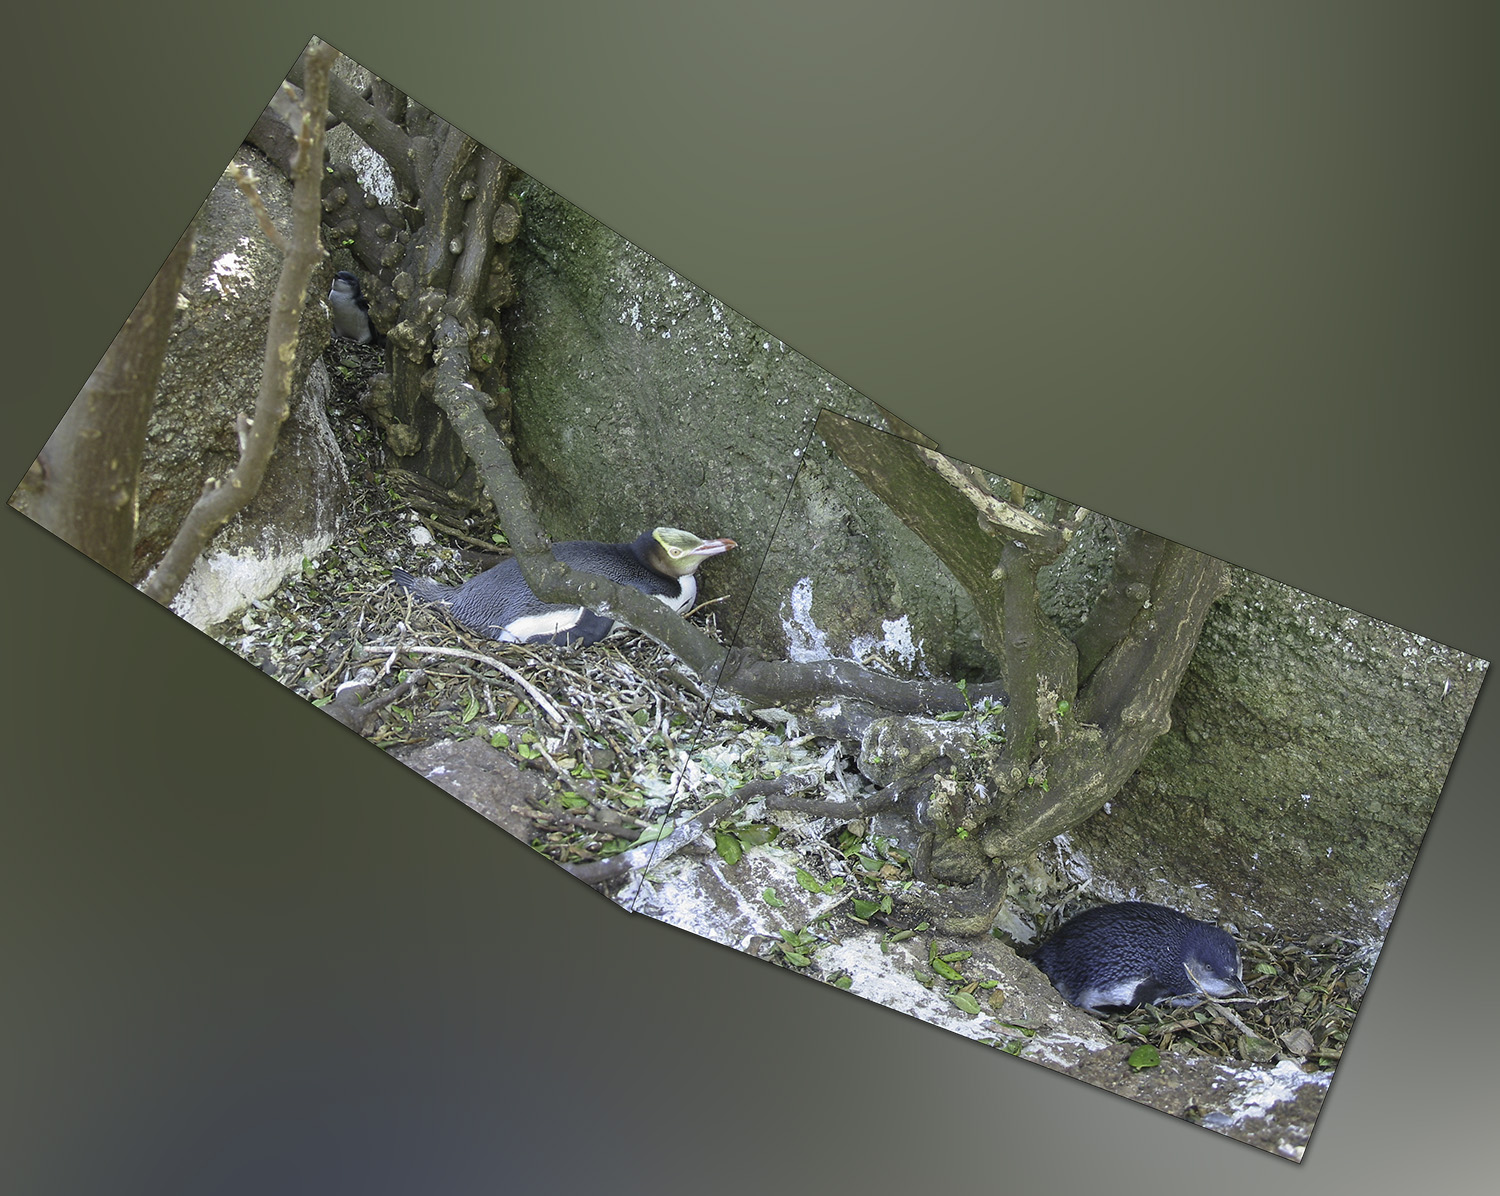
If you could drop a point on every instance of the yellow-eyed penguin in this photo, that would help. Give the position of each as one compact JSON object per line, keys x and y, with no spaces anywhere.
{"x":499,"y":604}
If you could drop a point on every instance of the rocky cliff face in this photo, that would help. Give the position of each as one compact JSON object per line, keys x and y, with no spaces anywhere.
{"x":1309,"y":743}
{"x":639,"y":399}
{"x":209,"y":377}
{"x":1308,"y":748}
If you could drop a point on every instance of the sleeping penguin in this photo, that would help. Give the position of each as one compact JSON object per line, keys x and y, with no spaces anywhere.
{"x":1120,"y":956}
{"x":499,"y":604}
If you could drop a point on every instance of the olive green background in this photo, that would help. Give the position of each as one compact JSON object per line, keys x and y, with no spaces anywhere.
{"x":1226,"y":274}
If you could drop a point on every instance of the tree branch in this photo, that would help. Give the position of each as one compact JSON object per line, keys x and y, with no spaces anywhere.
{"x":881,"y":799}
{"x":244,"y":179}
{"x":1130,"y":585}
{"x":1136,"y":682}
{"x":1002,"y":518}
{"x":85,"y":482}
{"x":1041,"y":665}
{"x":903,"y":478}
{"x":950,"y":508}
{"x":444,"y":208}
{"x":1067,"y":749}
{"x":1122,"y":710}
{"x":221,"y":501}
{"x":369,"y":124}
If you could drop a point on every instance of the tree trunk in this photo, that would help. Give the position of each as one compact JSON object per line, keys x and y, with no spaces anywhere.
{"x":83,"y":486}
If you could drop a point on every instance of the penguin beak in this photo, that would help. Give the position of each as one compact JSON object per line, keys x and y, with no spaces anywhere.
{"x":714,"y":547}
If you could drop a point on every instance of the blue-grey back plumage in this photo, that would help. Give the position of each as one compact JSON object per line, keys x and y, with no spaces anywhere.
{"x":1135,"y":953}
{"x":499,"y":604}
{"x":350,"y":309}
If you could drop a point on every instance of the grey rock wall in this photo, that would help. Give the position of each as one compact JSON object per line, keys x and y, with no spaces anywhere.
{"x":1308,"y":748}
{"x":641,"y":400}
{"x":211,"y":375}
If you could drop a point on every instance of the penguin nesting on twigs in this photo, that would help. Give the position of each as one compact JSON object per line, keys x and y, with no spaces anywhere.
{"x":499,"y":604}
{"x":1133,"y":953}
{"x":350,"y":309}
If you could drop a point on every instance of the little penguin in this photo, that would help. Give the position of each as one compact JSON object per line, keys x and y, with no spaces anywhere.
{"x":1134,"y":953}
{"x":351,"y":311}
{"x":499,"y":604}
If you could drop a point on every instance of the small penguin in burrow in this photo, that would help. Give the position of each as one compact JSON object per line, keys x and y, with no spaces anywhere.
{"x":1135,"y":953}
{"x":350,"y":309}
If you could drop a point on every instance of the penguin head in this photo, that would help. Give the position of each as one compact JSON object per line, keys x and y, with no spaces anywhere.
{"x":1212,"y":959}
{"x":673,"y":552}
{"x":346,"y":282}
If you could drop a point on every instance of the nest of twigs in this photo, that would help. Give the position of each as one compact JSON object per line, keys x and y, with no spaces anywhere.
{"x":1302,"y":1002}
{"x":626,"y":734}
{"x":632,"y":743}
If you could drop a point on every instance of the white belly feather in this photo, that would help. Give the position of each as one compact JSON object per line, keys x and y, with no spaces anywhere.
{"x":553,"y":621}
